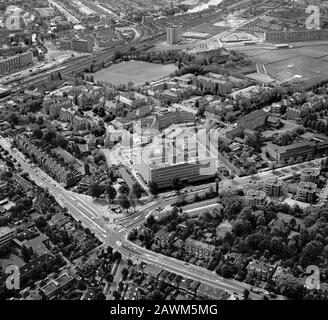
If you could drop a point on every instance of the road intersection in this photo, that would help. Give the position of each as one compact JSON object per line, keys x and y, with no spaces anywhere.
{"x":115,"y":235}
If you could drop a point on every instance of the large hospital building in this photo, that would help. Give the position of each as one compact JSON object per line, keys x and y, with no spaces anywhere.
{"x":189,"y":161}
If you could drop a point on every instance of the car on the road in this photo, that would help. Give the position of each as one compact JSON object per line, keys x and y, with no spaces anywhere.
{"x":256,"y":290}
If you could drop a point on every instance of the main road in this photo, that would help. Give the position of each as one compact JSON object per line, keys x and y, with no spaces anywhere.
{"x":116,"y":236}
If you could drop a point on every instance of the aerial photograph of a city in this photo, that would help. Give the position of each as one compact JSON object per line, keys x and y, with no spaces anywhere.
{"x":168,"y":150}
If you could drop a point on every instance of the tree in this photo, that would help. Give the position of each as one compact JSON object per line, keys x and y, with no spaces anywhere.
{"x":217,"y":186}
{"x":116,"y":295}
{"x":109,"y":277}
{"x":81,"y":285}
{"x":177,"y":184}
{"x":132,"y":199}
{"x":137,"y":190}
{"x":311,"y":252}
{"x":111,"y":193}
{"x":156,"y":295}
{"x":37,"y":133}
{"x":125,"y":273}
{"x":87,"y":168}
{"x":123,"y":189}
{"x":116,"y":256}
{"x":291,"y":161}
{"x":153,"y":188}
{"x":124,"y":202}
{"x":13,"y":118}
{"x":246,"y":294}
{"x":273,"y":166}
{"x":49,"y":135}
{"x":100,"y":296}
{"x":95,"y":190}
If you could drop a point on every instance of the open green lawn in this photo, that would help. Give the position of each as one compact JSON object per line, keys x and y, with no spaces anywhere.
{"x":307,"y":67}
{"x":138,"y":72}
{"x":303,"y":62}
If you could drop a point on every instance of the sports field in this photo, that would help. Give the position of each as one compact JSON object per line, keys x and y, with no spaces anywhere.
{"x":138,"y":72}
{"x":303,"y":62}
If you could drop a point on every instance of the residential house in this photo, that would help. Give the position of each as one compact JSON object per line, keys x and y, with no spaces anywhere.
{"x":261,"y":269}
{"x":199,"y":249}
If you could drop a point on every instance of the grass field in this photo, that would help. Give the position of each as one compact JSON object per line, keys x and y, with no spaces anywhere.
{"x":208,"y":28}
{"x":302,"y":67}
{"x":138,"y":72}
{"x":303,"y":62}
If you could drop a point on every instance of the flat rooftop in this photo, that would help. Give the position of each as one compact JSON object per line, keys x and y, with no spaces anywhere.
{"x":5,"y":230}
{"x":56,"y":284}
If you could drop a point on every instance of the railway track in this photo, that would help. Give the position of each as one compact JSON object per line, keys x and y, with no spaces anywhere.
{"x":80,"y":64}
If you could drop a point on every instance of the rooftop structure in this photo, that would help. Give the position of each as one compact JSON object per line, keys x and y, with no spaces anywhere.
{"x":55,"y":285}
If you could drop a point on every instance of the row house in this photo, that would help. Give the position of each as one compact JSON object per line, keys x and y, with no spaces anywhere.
{"x":51,"y":166}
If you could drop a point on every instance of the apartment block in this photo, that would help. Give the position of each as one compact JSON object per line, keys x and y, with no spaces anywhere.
{"x":16,"y":62}
{"x":133,"y":100}
{"x":173,"y":35}
{"x":255,"y":197}
{"x":166,"y":118}
{"x":6,"y":236}
{"x":273,"y":187}
{"x":306,"y":191}
{"x":301,"y":149}
{"x":310,"y":175}
{"x":211,"y":83}
{"x":199,"y":249}
{"x":293,"y":36}
{"x":254,"y":120}
{"x":189,"y":161}
{"x":54,"y":286}
{"x":81,"y":45}
{"x":297,"y":113}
